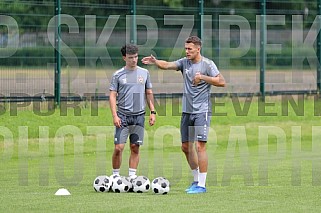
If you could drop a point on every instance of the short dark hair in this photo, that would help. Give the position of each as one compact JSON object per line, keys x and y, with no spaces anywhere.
{"x":194,"y":39}
{"x":130,"y":49}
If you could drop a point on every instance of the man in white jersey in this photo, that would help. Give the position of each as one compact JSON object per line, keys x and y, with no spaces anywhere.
{"x":199,"y":74}
{"x":128,"y":89}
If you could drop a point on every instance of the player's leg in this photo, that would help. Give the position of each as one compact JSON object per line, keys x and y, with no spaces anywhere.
{"x":191,"y":157}
{"x":117,"y":157}
{"x":202,"y":162}
{"x":120,"y":138}
{"x":187,"y":137}
{"x":190,"y":154}
{"x":188,"y":147}
{"x":202,"y":123}
{"x":136,"y":139}
{"x":133,"y":159}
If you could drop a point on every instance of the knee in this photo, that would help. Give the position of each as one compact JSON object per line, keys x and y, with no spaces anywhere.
{"x":118,"y":150}
{"x":186,"y":148}
{"x":201,"y":147}
{"x":134,"y":149}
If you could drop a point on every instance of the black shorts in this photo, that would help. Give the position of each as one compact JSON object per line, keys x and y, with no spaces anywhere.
{"x":132,"y":126}
{"x":194,"y":127}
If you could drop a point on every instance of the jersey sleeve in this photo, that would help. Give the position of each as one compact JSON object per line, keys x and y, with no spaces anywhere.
{"x":179,"y":63}
{"x":212,"y":69}
{"x":114,"y":83}
{"x":148,"y":84}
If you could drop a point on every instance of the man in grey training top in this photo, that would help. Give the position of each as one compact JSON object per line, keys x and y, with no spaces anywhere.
{"x":199,"y":74}
{"x":128,"y":89}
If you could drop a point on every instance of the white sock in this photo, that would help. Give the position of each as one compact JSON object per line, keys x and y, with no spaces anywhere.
{"x":132,"y":172}
{"x":202,"y":179}
{"x":195,"y":174}
{"x":116,"y":171}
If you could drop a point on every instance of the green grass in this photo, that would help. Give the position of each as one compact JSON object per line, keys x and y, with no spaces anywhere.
{"x":247,"y":173}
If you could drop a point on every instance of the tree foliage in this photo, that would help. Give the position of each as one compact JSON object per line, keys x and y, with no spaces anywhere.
{"x":34,"y":15}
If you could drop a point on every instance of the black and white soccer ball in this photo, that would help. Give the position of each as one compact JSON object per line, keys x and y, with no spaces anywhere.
{"x":129,"y":182}
{"x":121,"y":184}
{"x":131,"y":179}
{"x":113,"y":177}
{"x":141,"y":184}
{"x":102,"y":183}
{"x":160,"y":186}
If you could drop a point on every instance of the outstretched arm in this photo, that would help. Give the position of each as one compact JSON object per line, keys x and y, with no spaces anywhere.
{"x":164,"y":65}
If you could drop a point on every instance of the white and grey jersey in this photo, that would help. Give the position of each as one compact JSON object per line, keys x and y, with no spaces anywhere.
{"x":130,"y":86}
{"x":196,"y":99}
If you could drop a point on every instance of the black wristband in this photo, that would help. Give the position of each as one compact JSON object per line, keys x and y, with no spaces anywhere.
{"x":153,"y":112}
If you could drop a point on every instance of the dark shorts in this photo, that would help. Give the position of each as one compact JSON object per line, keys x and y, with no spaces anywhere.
{"x":132,"y":126}
{"x":194,"y":127}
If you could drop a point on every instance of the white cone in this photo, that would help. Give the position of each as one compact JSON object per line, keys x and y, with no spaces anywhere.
{"x":62,"y":192}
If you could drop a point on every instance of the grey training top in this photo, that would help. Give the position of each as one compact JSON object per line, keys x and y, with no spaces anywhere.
{"x":196,"y":99}
{"x":130,"y":86}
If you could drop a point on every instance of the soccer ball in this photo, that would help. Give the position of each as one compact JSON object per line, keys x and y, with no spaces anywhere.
{"x":129,"y":182}
{"x":112,"y":177}
{"x":131,"y":179}
{"x":121,"y":184}
{"x":141,"y":184}
{"x":102,"y":183}
{"x":160,"y":186}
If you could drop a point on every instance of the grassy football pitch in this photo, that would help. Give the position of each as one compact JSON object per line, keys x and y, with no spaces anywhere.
{"x":262,"y":158}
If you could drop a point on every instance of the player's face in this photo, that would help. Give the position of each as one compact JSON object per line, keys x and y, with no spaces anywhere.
{"x":192,"y":50}
{"x":131,"y":60}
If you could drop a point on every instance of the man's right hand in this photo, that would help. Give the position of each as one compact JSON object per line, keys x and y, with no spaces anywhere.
{"x":149,"y":60}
